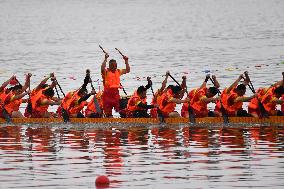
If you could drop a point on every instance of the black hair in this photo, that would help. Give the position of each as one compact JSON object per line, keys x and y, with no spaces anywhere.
{"x":48,"y":92}
{"x":82,"y":90}
{"x":176,"y":89}
{"x":170,"y":87}
{"x":141,"y":89}
{"x":111,"y":61}
{"x":241,"y":87}
{"x":213,"y":90}
{"x":16,"y":87}
{"x":279,"y":90}
{"x":43,"y":86}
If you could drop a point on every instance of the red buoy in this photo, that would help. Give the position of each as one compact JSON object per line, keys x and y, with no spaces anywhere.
{"x":102,"y":181}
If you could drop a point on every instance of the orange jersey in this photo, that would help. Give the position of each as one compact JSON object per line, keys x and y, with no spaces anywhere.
{"x":91,"y":105}
{"x":133,"y":102}
{"x":268,"y":100}
{"x":112,"y":79}
{"x":166,"y":106}
{"x":75,"y":107}
{"x":12,"y":105}
{"x":197,"y":103}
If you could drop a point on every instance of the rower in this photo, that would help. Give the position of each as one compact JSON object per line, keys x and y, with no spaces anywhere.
{"x":4,"y":92}
{"x":137,"y":104}
{"x":14,"y":98}
{"x":253,"y":107}
{"x":37,"y":92}
{"x":77,"y":102}
{"x":157,"y":96}
{"x":169,"y":99}
{"x":111,"y":82}
{"x":91,"y":111}
{"x":41,"y":103}
{"x":232,"y":99}
{"x":271,"y":99}
{"x":200,"y":97}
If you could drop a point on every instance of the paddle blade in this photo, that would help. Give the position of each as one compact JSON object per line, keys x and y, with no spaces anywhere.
{"x":98,"y":108}
{"x":6,"y":115}
{"x":191,"y":115}
{"x":65,"y":115}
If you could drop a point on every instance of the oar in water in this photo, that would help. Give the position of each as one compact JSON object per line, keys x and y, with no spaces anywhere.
{"x":263,"y":112}
{"x":98,"y":108}
{"x":159,"y":112}
{"x":190,"y":110}
{"x":6,"y":115}
{"x":224,"y":113}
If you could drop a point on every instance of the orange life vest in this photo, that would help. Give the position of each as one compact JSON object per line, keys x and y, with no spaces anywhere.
{"x":74,"y":106}
{"x":41,"y":107}
{"x":133,"y":102}
{"x":253,"y":104}
{"x":67,"y":100}
{"x":91,"y":105}
{"x":164,"y":104}
{"x":35,"y":96}
{"x":228,"y":103}
{"x":13,"y":105}
{"x":190,"y":96}
{"x":267,"y":100}
{"x":112,"y":80}
{"x":198,"y":105}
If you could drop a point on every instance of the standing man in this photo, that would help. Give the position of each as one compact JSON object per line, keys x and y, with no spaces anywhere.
{"x":111,"y":82}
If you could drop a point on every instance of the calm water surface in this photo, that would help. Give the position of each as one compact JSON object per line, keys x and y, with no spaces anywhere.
{"x":187,"y":37}
{"x":142,"y":156}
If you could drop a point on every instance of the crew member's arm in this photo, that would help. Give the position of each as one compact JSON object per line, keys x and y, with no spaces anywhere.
{"x":16,"y":97}
{"x":235,"y":83}
{"x":6,"y":83}
{"x":86,"y":96}
{"x":44,"y":82}
{"x":179,"y":101}
{"x":217,"y":85}
{"x":207,"y":100}
{"x":145,"y":106}
{"x":103,"y":66}
{"x":205,"y":81}
{"x":50,"y":102}
{"x":245,"y":99}
{"x":149,"y":84}
{"x":164,"y":84}
{"x":127,"y":67}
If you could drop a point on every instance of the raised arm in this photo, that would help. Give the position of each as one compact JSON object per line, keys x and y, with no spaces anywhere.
{"x":235,"y":83}
{"x":103,"y":66}
{"x":216,"y":83}
{"x":127,"y":67}
{"x":44,"y":81}
{"x":6,"y":83}
{"x":205,"y":81}
{"x":27,"y":82}
{"x":164,"y":84}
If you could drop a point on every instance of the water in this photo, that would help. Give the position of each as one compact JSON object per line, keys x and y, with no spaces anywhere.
{"x":141,"y":156}
{"x":187,"y":37}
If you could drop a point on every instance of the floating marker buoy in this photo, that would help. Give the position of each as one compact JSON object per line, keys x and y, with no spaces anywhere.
{"x":102,"y":181}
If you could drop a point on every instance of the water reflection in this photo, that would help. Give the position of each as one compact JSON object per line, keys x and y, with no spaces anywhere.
{"x":137,"y":156}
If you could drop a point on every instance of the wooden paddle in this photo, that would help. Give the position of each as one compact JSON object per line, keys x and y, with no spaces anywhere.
{"x":263,"y":112}
{"x":119,"y":52}
{"x":190,"y":110}
{"x":224,"y":113}
{"x":159,"y":112}
{"x":103,"y":49}
{"x":98,"y":108}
